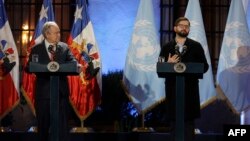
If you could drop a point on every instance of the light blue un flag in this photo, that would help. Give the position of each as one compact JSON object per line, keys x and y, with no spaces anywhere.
{"x":197,"y":32}
{"x":233,"y":74}
{"x":141,"y":81}
{"x":246,"y":4}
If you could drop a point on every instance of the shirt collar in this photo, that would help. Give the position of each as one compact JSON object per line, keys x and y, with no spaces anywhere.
{"x":46,"y":44}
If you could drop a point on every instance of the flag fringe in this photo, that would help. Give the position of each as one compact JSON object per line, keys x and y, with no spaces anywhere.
{"x":223,"y":97}
{"x":26,"y":97}
{"x":82,"y":118}
{"x":208,"y":102}
{"x":9,"y":109}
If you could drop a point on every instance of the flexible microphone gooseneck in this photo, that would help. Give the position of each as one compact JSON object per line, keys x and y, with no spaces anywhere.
{"x":184,"y":50}
{"x":176,"y":48}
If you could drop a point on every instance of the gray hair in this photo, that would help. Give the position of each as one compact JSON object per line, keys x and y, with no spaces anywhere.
{"x":47,"y":26}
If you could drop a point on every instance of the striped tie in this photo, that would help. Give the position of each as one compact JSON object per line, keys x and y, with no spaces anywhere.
{"x":52,"y":52}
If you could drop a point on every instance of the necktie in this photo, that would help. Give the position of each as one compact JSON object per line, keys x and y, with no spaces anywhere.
{"x":52,"y":52}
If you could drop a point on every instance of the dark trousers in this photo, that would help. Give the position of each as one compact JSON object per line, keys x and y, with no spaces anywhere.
{"x":189,"y":127}
{"x":43,"y":119}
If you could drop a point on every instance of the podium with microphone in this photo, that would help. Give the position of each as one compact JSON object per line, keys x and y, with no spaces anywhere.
{"x":55,"y":70}
{"x":179,"y":70}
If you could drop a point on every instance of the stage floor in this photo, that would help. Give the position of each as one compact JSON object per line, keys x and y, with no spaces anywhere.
{"x":126,"y":136}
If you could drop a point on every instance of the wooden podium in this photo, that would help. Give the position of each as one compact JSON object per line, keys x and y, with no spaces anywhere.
{"x":64,"y":69}
{"x":179,"y":70}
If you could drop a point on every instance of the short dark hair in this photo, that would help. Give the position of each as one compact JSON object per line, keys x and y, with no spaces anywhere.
{"x":181,"y":19}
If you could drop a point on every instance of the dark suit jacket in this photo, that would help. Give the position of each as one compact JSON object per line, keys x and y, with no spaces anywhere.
{"x":42,"y":86}
{"x":195,"y":53}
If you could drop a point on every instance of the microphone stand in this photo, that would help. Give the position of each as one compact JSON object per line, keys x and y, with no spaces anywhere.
{"x":180,"y":54}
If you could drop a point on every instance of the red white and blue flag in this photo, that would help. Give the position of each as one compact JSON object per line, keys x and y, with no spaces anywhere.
{"x":85,"y":89}
{"x":9,"y":66}
{"x":28,"y":80}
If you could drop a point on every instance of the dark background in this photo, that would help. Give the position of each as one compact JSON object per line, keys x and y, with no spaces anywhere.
{"x":117,"y":114}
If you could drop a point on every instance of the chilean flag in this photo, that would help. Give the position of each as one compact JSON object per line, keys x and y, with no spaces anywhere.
{"x":9,"y":66}
{"x":28,"y":80}
{"x":85,"y":89}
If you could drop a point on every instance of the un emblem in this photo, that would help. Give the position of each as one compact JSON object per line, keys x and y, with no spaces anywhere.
{"x":179,"y":67}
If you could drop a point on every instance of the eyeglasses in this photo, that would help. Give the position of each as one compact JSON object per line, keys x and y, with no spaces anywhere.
{"x":183,"y":26}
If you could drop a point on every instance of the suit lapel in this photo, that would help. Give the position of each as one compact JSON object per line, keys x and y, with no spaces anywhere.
{"x":44,"y":54}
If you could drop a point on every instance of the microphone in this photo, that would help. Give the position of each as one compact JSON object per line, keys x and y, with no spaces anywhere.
{"x":58,"y":48}
{"x":52,"y":52}
{"x":176,"y":48}
{"x":50,"y":49}
{"x":184,"y":50}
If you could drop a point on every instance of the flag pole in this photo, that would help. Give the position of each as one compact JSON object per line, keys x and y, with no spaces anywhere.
{"x":142,"y":121}
{"x":82,"y":129}
{"x":143,"y":128}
